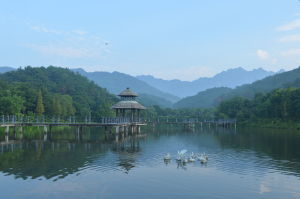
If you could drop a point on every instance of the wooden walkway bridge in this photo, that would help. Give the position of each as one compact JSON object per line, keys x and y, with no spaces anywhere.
{"x":196,"y":121}
{"x":120,"y":124}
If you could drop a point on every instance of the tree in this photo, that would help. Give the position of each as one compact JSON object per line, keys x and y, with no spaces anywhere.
{"x":39,"y":104}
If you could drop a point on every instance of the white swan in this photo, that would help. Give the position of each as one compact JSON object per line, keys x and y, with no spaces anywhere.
{"x":180,"y":155}
{"x":203,"y":158}
{"x":185,"y":160}
{"x":191,"y":159}
{"x":179,"y":158}
{"x":167,"y":157}
{"x":182,"y":152}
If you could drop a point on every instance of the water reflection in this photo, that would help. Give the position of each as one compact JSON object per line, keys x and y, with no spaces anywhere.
{"x":55,"y":155}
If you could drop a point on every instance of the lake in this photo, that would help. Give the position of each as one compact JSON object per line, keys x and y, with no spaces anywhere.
{"x":243,"y":163}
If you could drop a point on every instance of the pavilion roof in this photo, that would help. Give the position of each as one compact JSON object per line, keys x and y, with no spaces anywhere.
{"x":128,"y":93}
{"x":128,"y":105}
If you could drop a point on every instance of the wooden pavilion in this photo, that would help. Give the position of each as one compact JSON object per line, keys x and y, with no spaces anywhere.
{"x":128,"y":107}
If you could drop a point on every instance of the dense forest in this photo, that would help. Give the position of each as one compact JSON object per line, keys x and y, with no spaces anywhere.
{"x":205,"y":99}
{"x":52,"y":91}
{"x":280,"y":104}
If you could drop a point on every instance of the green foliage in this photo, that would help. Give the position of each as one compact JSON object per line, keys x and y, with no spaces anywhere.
{"x":155,"y":111}
{"x":39,"y":104}
{"x":53,"y":91}
{"x":204,"y":99}
{"x":151,"y":100}
{"x":62,"y":105}
{"x":280,"y":104}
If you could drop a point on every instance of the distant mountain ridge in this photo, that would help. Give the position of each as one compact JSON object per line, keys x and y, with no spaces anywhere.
{"x":213,"y":97}
{"x":229,"y":78}
{"x":4,"y":69}
{"x":115,"y":82}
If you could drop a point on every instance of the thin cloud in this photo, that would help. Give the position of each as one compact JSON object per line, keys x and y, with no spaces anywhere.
{"x":262,"y":54}
{"x":63,"y":51}
{"x":290,"y":26}
{"x":79,"y":32}
{"x":43,"y":29}
{"x":290,"y":38}
{"x":291,"y":52}
{"x":46,"y":30}
{"x":70,"y":44}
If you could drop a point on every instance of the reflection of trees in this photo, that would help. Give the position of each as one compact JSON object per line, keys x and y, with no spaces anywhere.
{"x":283,"y":147}
{"x":63,"y":153}
{"x":47,"y":159}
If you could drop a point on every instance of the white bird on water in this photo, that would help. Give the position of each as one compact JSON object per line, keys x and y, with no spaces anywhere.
{"x":180,"y":155}
{"x":192,"y":157}
{"x":203,"y":158}
{"x":167,"y":157}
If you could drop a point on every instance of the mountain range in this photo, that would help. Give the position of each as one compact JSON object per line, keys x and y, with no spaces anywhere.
{"x":229,"y":78}
{"x":212,"y":97}
{"x":116,"y":82}
{"x":168,"y":93}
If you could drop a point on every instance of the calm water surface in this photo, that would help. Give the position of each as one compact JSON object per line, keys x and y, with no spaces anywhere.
{"x":247,"y":163}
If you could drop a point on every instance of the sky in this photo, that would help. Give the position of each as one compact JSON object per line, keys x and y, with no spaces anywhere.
{"x":170,"y":39}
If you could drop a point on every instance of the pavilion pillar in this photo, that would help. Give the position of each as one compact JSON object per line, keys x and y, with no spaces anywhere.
{"x":132,"y":115}
{"x":138,"y":115}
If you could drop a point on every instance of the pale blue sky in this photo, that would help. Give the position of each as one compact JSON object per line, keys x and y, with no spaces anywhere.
{"x":166,"y":38}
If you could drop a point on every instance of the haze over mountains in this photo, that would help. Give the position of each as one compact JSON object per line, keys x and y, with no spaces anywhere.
{"x":166,"y":93}
{"x":212,"y":97}
{"x":229,"y":78}
{"x":116,"y":82}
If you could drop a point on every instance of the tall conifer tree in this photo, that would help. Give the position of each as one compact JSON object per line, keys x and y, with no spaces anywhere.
{"x":39,"y":104}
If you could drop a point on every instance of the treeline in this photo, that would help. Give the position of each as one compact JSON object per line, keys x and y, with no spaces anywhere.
{"x":155,"y":112}
{"x":280,"y":104}
{"x":52,"y":91}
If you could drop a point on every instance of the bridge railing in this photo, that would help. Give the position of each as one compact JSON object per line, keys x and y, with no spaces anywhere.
{"x":190,"y":120}
{"x":13,"y":119}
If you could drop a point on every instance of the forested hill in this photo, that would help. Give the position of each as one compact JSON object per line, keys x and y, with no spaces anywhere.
{"x":52,"y":91}
{"x":115,"y":82}
{"x":268,"y":84}
{"x":204,"y":99}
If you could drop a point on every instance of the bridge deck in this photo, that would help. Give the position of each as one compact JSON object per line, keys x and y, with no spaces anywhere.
{"x":71,"y":124}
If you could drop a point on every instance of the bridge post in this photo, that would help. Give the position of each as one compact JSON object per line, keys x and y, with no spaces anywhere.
{"x":117,"y":137}
{"x":45,"y":129}
{"x":15,"y":132}
{"x":78,"y":133}
{"x":126,"y":130}
{"x":117,"y":129}
{"x":138,"y":129}
{"x":7,"y":130}
{"x":121,"y":128}
{"x":45,"y":136}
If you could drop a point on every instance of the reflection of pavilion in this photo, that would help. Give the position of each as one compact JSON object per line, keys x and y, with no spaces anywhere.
{"x":127,"y":153}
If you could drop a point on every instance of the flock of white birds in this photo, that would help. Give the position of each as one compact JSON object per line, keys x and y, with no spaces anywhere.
{"x":184,"y":157}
